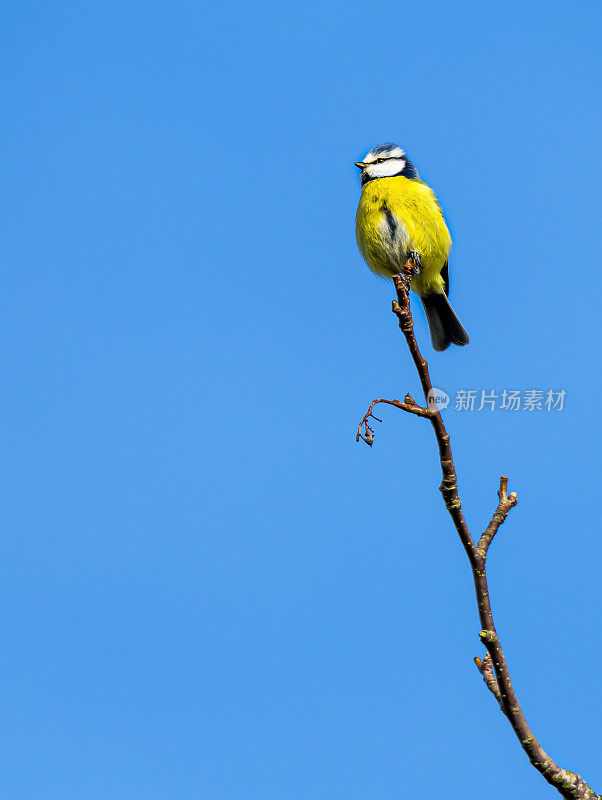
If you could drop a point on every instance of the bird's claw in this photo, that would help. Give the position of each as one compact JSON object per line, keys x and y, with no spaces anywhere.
{"x":415,"y":261}
{"x":412,"y":267}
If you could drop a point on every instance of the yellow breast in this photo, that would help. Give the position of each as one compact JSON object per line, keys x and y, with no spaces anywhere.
{"x":397,"y":215}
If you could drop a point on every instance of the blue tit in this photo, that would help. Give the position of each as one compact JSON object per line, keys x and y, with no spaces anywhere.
{"x":398,"y":216}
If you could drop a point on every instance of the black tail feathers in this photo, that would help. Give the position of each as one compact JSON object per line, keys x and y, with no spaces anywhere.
{"x":444,"y":325}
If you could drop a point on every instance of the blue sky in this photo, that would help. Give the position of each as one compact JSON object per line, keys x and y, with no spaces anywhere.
{"x":209,"y":590}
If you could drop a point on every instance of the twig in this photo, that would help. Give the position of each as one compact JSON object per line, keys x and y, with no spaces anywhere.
{"x":485,"y":667}
{"x":493,"y":667}
{"x":410,"y":405}
{"x":506,"y":502}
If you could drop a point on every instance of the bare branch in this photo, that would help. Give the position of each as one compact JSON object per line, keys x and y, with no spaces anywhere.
{"x":493,"y":667}
{"x":506,"y":502}
{"x":409,"y":405}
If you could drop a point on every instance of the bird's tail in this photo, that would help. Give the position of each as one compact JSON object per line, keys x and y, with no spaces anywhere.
{"x":444,"y":325}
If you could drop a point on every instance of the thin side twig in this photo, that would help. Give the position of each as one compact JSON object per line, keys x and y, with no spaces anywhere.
{"x":506,"y":502}
{"x":485,"y":667}
{"x":493,"y":667}
{"x":410,"y":405}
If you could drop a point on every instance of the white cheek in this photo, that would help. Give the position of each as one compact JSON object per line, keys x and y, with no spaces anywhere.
{"x":386,"y":169}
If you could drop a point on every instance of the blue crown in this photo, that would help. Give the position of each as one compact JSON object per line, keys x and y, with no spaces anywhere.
{"x":384,"y":148}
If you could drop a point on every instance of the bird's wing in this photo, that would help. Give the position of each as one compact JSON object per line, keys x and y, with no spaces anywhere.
{"x":445,"y":276}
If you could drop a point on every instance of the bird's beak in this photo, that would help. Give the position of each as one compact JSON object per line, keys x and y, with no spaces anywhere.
{"x":360,"y":164}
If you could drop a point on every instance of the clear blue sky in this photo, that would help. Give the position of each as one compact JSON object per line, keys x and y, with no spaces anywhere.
{"x":208,"y":589}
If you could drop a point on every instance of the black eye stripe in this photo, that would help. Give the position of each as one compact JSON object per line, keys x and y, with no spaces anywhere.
{"x":386,"y":158}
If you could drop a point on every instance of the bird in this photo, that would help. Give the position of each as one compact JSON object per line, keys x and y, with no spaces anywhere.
{"x":399,"y":218}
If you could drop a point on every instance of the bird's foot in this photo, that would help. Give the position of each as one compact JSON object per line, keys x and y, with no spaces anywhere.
{"x":414,"y":261}
{"x":412,"y":267}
